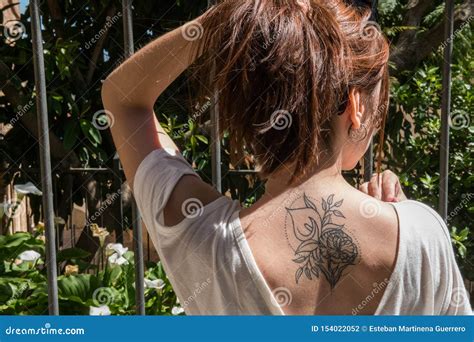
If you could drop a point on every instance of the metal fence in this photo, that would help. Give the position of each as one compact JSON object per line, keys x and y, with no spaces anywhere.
{"x":46,"y":179}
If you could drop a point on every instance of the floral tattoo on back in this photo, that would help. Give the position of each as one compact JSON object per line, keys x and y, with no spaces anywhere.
{"x":321,"y":245}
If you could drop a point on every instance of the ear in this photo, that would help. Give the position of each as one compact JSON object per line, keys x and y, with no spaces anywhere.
{"x":355,"y":108}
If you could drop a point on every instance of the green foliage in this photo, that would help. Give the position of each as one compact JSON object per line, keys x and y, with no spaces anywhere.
{"x":23,"y":286}
{"x":413,"y":142}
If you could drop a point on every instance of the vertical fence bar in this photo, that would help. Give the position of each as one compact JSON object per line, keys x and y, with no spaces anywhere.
{"x":216,"y":145}
{"x":369,"y":163}
{"x":215,"y":137}
{"x":137,"y":227}
{"x":45,"y":159}
{"x":446,"y":110}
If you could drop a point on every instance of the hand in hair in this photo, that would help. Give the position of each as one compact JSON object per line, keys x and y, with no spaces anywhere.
{"x":384,"y":186}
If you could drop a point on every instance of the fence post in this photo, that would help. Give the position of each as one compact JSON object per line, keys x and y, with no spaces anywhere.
{"x":45,"y":158}
{"x":215,"y":136}
{"x":445,"y":111}
{"x":137,"y":227}
{"x":369,"y":163}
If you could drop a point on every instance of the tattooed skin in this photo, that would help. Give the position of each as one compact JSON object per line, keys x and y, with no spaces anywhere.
{"x":321,"y":246}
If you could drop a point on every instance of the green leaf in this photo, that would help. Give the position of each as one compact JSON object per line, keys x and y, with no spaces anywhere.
{"x":78,"y":288}
{"x":203,"y":139}
{"x":91,"y":132}
{"x":72,"y":253}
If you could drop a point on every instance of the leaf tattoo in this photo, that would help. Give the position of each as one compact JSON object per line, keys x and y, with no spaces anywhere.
{"x":323,"y":246}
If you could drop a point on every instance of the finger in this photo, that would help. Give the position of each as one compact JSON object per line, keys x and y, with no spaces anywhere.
{"x":364,"y":188}
{"x":389,"y":186}
{"x":400,"y":195}
{"x":374,"y":187}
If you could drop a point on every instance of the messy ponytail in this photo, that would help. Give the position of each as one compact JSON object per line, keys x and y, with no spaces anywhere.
{"x":281,"y":69}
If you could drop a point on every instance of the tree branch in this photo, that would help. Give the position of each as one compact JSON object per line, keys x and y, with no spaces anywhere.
{"x":412,"y":48}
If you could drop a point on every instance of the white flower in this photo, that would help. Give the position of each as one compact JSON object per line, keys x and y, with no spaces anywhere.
{"x":154,"y":284}
{"x":116,"y":252}
{"x":27,"y":189}
{"x":116,"y":248}
{"x":102,"y":310}
{"x":116,"y":259}
{"x":176,"y":310}
{"x":31,"y":256}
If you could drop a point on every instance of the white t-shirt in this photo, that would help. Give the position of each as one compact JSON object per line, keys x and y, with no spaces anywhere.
{"x":213,"y":272}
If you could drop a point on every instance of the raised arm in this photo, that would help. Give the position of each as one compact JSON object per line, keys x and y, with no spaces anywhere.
{"x":130,"y":92}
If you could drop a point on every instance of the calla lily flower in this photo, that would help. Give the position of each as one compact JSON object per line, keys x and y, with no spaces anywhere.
{"x":99,"y":232}
{"x":177,"y":310}
{"x":154,"y":284}
{"x":71,"y":270}
{"x":30,"y":256}
{"x":116,"y":252}
{"x":27,"y":189}
{"x":116,"y":248}
{"x":102,"y":310}
{"x":116,"y":259}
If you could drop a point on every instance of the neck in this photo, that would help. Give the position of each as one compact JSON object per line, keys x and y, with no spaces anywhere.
{"x":329,"y":169}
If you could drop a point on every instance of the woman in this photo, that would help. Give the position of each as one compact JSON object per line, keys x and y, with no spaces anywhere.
{"x":303,"y":85}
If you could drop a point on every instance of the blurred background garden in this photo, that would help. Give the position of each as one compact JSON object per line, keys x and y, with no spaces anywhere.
{"x":83,"y":43}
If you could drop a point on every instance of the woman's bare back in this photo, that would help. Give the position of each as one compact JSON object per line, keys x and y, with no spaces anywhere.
{"x":325,"y":251}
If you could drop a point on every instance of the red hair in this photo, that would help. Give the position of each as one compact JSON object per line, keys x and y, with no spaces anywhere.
{"x":282,"y":71}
